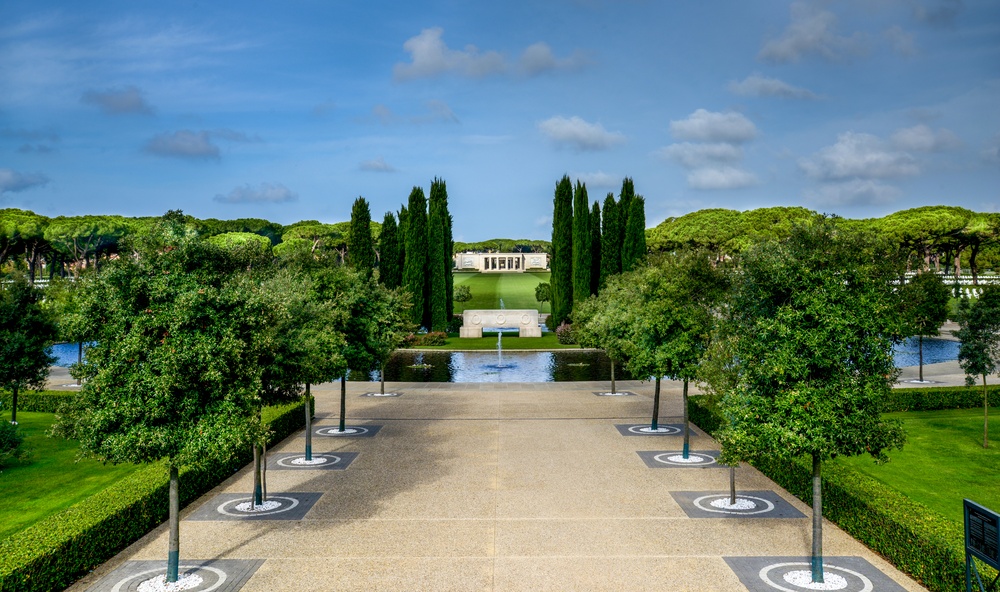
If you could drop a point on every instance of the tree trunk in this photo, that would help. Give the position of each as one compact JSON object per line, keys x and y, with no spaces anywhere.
{"x":656,"y":405}
{"x":309,"y":431}
{"x":732,"y":486}
{"x":956,"y":263}
{"x":920,"y":340}
{"x":986,"y":415}
{"x":174,"y":539}
{"x":13,"y":406}
{"x":343,"y":402}
{"x":613,"y":377}
{"x":381,"y":377}
{"x":257,"y":491}
{"x":687,"y":429}
{"x":79,"y":357}
{"x":817,"y":539}
{"x":263,"y":472}
{"x":972,"y":264}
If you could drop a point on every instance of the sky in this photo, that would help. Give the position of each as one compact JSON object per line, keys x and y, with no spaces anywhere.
{"x":289,"y":111}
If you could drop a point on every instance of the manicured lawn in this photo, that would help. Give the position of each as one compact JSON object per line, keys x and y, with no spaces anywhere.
{"x":510,"y":342}
{"x":50,"y":480}
{"x":942,"y":462}
{"x":516,"y":289}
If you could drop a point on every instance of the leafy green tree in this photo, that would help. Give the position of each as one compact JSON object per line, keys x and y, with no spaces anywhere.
{"x":438,"y":257}
{"x":595,"y":249}
{"x":175,"y":371}
{"x":11,"y":444}
{"x":543,"y":292}
{"x":582,"y":254}
{"x":810,"y":333}
{"x":562,"y":253}
{"x":979,"y":353}
{"x":611,"y":255}
{"x":464,"y":293}
{"x":322,"y":239}
{"x":360,"y":249}
{"x":415,"y":264}
{"x":634,"y":242}
{"x":716,"y":230}
{"x":604,"y":321}
{"x":924,"y":300}
{"x":26,"y":336}
{"x":390,"y":266}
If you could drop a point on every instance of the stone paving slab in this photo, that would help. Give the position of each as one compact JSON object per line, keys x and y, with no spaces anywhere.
{"x":220,"y":575}
{"x":846,"y":574}
{"x":674,"y":459}
{"x":715,"y":504}
{"x":350,"y":431}
{"x":662,"y":429}
{"x":224,"y":507}
{"x":321,"y":461}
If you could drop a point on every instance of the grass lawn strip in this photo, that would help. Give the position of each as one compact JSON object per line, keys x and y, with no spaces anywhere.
{"x":516,"y":289}
{"x":488,"y":341}
{"x":51,"y":479}
{"x":942,"y":462}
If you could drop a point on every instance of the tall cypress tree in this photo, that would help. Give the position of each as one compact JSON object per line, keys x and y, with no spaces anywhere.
{"x":581,"y":243}
{"x":437,"y":310}
{"x":595,"y":248}
{"x":448,"y":259}
{"x":634,"y":245}
{"x":611,"y":253}
{"x":562,"y":252}
{"x":415,"y":265}
{"x":360,"y":247}
{"x":390,"y":267}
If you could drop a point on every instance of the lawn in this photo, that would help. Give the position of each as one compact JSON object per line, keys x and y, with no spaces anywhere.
{"x":516,"y":289}
{"x":942,"y":462}
{"x":511,"y":341}
{"x":51,"y":479}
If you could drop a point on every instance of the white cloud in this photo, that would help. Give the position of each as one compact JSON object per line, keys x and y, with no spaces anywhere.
{"x":756,"y":85}
{"x":901,"y":41}
{"x":538,"y":58}
{"x":266,"y":193}
{"x":183,"y":144}
{"x":579,"y":134}
{"x":853,"y":192}
{"x":697,"y":155}
{"x":430,"y":57}
{"x":119,"y":101}
{"x":811,"y":31}
{"x":597,"y":179}
{"x":12,"y":181}
{"x":858,"y":155}
{"x":921,"y":138}
{"x":710,"y":126}
{"x":377,"y":165}
{"x":722,"y":177}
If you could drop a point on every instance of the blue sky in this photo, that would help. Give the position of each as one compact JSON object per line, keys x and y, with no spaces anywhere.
{"x":290,"y":111}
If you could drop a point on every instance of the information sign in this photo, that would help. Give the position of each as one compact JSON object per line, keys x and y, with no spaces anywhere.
{"x":982,"y":533}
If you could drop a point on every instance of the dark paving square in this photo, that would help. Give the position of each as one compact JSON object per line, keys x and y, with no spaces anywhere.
{"x":616,"y":394}
{"x":664,"y":429}
{"x":850,"y":574}
{"x":322,"y":461}
{"x":672,"y":459}
{"x":749,"y":504}
{"x":350,"y":431}
{"x":382,"y":395}
{"x":219,"y":575}
{"x":293,"y":506}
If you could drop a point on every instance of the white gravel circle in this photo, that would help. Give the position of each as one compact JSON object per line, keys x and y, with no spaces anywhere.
{"x":159,"y":583}
{"x":741,"y":504}
{"x":292,"y":502}
{"x":222,"y":577}
{"x":348,"y":431}
{"x":725,"y":508}
{"x":650,"y":430}
{"x":837,"y":582}
{"x":251,"y":508}
{"x":678,"y":459}
{"x":316,"y":460}
{"x":803,"y":579}
{"x":618,"y":394}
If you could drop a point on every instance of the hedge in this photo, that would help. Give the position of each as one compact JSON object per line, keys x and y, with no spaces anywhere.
{"x":55,"y":552}
{"x":44,"y":401}
{"x":941,"y":397}
{"x":917,"y":540}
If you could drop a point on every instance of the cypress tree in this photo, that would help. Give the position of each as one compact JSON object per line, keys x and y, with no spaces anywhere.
{"x":390,"y":267}
{"x":634,"y":245}
{"x":611,"y":253}
{"x":595,"y":248}
{"x":437,"y":309}
{"x":360,"y":247}
{"x":581,"y":244}
{"x":415,"y":264}
{"x":562,"y":252}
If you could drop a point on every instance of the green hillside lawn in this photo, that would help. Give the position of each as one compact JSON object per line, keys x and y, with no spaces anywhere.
{"x":942,"y":462}
{"x":511,"y":341}
{"x":51,"y":479}
{"x":516,"y":289}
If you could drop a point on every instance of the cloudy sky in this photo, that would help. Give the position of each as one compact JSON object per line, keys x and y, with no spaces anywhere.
{"x":289,"y":111}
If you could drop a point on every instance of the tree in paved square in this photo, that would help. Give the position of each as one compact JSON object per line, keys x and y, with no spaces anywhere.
{"x":979,"y":352}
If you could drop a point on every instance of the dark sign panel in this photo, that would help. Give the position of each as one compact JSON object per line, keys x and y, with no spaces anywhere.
{"x":982,"y":533}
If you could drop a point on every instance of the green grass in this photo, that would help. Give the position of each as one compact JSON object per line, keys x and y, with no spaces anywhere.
{"x":516,"y":289}
{"x":51,"y":479}
{"x":510,"y":342}
{"x":942,"y":462}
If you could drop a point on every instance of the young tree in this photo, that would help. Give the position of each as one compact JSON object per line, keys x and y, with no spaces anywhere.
{"x":390,"y":266}
{"x":810,"y":330}
{"x":562,"y":252}
{"x":175,"y":371}
{"x":634,"y":241}
{"x":595,"y":249}
{"x":611,"y":254}
{"x":26,"y":336}
{"x":924,"y":300}
{"x":415,"y":264}
{"x":437,"y":256}
{"x":360,"y":248}
{"x":979,"y":353}
{"x":581,"y":243}
{"x":463,"y":293}
{"x":543,"y":292}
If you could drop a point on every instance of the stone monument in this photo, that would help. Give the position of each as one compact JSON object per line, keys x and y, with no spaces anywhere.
{"x":524,"y":320}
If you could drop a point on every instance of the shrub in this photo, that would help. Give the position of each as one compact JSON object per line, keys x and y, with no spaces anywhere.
{"x":11,"y":443}
{"x":54,"y":552}
{"x":455,"y":324}
{"x":942,"y":397}
{"x":40,"y":401}
{"x":564,"y":334}
{"x":432,"y":338}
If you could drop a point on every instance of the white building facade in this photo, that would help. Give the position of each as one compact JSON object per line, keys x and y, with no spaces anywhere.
{"x":502,"y":262}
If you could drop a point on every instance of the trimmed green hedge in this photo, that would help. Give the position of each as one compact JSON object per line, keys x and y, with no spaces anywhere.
{"x":40,"y":401}
{"x":941,"y":397}
{"x":57,"y":551}
{"x":917,"y":540}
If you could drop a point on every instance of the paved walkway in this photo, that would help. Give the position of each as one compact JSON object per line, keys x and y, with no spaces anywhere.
{"x":493,"y":487}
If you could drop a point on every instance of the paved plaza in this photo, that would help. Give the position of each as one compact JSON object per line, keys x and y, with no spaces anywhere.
{"x":498,"y":487}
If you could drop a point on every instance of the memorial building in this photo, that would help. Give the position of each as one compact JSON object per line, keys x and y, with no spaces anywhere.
{"x":495,"y":262}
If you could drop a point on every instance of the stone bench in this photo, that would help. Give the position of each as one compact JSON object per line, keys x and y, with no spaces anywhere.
{"x":524,"y":320}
